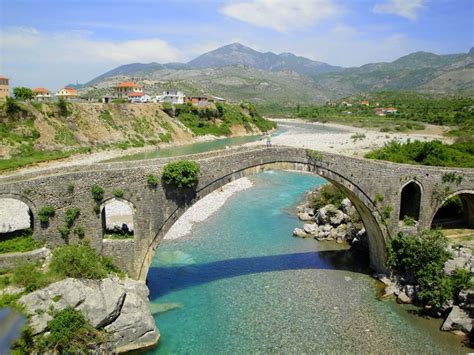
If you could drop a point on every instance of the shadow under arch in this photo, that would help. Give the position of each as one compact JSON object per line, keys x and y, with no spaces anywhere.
{"x":376,"y":230}
{"x":179,"y":277}
{"x":467,"y":200}
{"x":410,"y":200}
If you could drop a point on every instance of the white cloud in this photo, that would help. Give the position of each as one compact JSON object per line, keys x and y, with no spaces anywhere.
{"x":282,"y":15}
{"x":405,"y":8}
{"x":34,"y":58}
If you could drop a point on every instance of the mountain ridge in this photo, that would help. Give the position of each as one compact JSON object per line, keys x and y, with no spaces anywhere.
{"x":242,"y":73}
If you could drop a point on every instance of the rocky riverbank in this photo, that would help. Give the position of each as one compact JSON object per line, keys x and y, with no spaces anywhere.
{"x":340,"y":223}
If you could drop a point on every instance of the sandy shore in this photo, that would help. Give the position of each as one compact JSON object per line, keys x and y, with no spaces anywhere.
{"x":338,"y":139}
{"x":205,"y":207}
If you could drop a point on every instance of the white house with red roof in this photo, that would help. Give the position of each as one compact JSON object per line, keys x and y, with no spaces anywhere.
{"x":67,"y":93}
{"x":41,"y":94}
{"x":128,"y":90}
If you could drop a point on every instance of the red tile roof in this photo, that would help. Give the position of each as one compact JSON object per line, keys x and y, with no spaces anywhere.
{"x":2,"y":77}
{"x":40,"y":91}
{"x":135,"y":94}
{"x":128,"y":84}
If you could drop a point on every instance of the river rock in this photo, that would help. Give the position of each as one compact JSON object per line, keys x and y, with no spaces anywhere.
{"x":458,"y":320}
{"x":305,"y":216}
{"x":347,"y":207}
{"x":455,"y":263}
{"x":118,"y":306}
{"x":311,"y":228}
{"x":466,"y":298}
{"x":298,"y":232}
{"x":389,"y":290}
{"x":403,"y":298}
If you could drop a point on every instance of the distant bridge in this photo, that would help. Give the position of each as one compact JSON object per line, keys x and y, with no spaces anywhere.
{"x":382,"y":193}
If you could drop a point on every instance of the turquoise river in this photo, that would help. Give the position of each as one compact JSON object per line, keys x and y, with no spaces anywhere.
{"x":241,"y":284}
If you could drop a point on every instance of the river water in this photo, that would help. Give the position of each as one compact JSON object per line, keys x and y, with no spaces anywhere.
{"x":240,"y":284}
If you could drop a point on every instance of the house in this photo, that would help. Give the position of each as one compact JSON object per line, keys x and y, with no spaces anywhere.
{"x":364,"y":102}
{"x":390,"y":110}
{"x":41,"y":94}
{"x":200,"y":100}
{"x":379,"y":112}
{"x":346,"y":104}
{"x":174,"y":97}
{"x":124,"y":89}
{"x":67,"y":93}
{"x":4,"y":88}
{"x":139,"y":97}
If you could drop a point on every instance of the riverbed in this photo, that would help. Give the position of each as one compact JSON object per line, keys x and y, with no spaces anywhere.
{"x":240,"y":283}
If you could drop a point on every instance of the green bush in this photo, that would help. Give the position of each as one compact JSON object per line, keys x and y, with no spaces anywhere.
{"x":152,"y":181}
{"x":118,"y":193}
{"x":432,"y":153}
{"x":409,"y":221}
{"x":28,"y":276}
{"x":63,"y":107}
{"x":325,"y":195}
{"x":64,"y":231}
{"x":45,"y":213}
{"x":71,"y":215}
{"x":97,"y":192}
{"x":70,"y":332}
{"x":22,"y":93}
{"x":81,"y":261}
{"x":11,"y":106}
{"x":420,"y":260}
{"x":80,"y":231}
{"x":182,"y":173}
{"x":21,"y":243}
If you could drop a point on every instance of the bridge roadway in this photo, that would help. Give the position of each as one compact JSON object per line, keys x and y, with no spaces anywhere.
{"x":379,"y":191}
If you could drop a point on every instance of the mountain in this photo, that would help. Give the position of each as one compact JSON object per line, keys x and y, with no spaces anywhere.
{"x":237,"y":54}
{"x":237,"y":73}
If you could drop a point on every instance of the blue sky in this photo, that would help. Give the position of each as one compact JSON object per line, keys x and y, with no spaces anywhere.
{"x":51,"y":43}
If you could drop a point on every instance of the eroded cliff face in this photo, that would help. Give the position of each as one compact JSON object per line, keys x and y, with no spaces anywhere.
{"x":45,"y":127}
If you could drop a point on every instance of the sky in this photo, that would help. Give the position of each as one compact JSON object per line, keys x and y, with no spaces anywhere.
{"x":51,"y":43}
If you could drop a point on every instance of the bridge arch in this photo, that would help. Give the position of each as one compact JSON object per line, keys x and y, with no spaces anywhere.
{"x":467,"y":200}
{"x":16,"y":214}
{"x":410,"y":200}
{"x":377,"y":232}
{"x":117,"y":214}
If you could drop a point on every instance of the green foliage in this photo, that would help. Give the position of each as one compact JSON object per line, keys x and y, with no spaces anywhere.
{"x":80,"y":231}
{"x":81,"y":261}
{"x":461,"y":280}
{"x":21,"y":243}
{"x":22,"y":93}
{"x":118,"y":235}
{"x":165,"y":137}
{"x":312,"y":154}
{"x":71,"y":215}
{"x":69,"y":333}
{"x":452,"y":177}
{"x":118,"y":193}
{"x":181,"y":173}
{"x":64,"y":231}
{"x":29,"y":276}
{"x":70,"y":188}
{"x":420,"y":260}
{"x":152,"y":181}
{"x":63,"y":107}
{"x":378,"y":198}
{"x":11,"y":106}
{"x":409,"y":221}
{"x":45,"y":213}
{"x":386,"y":212}
{"x":97,"y":192}
{"x":9,"y":300}
{"x":358,"y":136}
{"x":432,"y":153}
{"x":219,"y":119}
{"x":326,"y":194}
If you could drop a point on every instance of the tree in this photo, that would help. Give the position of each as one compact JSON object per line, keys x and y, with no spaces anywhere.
{"x":22,"y":93}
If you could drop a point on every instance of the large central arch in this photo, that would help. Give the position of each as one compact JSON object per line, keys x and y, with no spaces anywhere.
{"x":377,"y":232}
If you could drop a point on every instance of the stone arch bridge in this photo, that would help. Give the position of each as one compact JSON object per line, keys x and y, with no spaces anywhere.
{"x":382,"y":192}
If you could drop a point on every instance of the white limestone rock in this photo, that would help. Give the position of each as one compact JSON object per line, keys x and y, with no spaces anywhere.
{"x":458,"y":320}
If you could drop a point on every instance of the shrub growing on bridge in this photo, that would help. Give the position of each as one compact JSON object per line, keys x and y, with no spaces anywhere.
{"x":45,"y":213}
{"x":182,"y":173}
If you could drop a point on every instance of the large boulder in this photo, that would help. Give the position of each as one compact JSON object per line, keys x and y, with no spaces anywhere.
{"x":466,"y":298}
{"x":298,"y":232}
{"x":305,"y":216}
{"x":118,"y":306}
{"x":458,"y":320}
{"x":311,"y":228}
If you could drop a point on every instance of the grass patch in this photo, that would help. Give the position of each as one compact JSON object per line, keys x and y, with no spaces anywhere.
{"x":21,"y":243}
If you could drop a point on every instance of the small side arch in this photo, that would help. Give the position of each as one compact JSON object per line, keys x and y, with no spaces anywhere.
{"x":16,"y":215}
{"x":117,"y":217}
{"x":410,"y":200}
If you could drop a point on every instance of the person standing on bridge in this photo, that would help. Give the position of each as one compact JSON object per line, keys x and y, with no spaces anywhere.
{"x":269,"y":140}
